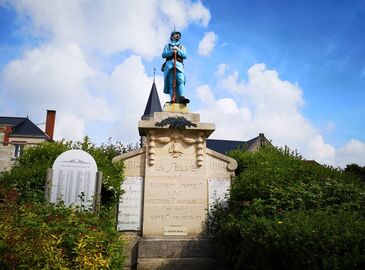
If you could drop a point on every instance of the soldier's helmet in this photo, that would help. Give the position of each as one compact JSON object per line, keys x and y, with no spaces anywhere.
{"x":173,"y":33}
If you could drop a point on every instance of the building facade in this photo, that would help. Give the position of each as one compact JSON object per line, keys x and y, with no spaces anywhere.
{"x":18,"y":133}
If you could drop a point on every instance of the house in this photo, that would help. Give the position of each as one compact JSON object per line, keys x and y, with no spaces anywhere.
{"x":17,"y":133}
{"x":224,"y":146}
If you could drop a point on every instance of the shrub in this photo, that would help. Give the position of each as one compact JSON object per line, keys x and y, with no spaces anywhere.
{"x":286,"y":213}
{"x":38,"y":235}
{"x":29,"y":172}
{"x":43,"y":236}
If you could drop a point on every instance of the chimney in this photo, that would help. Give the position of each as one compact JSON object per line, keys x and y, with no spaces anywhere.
{"x":50,"y":122}
{"x":7,"y":130}
{"x":262,"y":139}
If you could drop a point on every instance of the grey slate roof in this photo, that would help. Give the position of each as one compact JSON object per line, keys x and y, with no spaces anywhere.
{"x":224,"y":146}
{"x":153,"y":103}
{"x":22,"y":126}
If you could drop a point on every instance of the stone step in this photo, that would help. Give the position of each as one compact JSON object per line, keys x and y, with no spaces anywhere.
{"x":176,"y":264}
{"x":166,"y":247}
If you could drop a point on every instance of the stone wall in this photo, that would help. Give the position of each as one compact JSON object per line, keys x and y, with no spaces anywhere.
{"x":7,"y":150}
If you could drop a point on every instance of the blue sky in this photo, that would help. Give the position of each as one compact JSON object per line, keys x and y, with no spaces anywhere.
{"x":294,"y":70}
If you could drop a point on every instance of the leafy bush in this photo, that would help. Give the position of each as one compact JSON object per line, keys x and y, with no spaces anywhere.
{"x":286,"y":213}
{"x":29,"y":172}
{"x":44,"y":236}
{"x":38,"y":235}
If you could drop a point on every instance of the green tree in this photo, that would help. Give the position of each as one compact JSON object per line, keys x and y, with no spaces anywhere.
{"x":356,"y":170}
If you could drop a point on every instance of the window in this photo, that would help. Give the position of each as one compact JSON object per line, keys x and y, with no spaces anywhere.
{"x":18,"y":150}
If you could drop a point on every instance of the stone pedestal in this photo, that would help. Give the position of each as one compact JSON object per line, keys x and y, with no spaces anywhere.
{"x":176,"y":168}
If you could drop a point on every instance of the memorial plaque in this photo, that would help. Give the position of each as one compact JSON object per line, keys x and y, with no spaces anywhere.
{"x":175,"y":230}
{"x":129,"y":210}
{"x":74,"y":179}
{"x":218,"y":190}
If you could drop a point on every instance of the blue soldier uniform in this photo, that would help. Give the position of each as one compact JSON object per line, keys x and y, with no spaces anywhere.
{"x":168,"y":68}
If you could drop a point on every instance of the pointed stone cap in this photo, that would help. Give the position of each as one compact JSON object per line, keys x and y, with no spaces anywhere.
{"x":153,"y":104}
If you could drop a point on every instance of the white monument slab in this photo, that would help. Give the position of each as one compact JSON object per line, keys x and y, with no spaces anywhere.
{"x":130,"y":204}
{"x":218,"y":190}
{"x":74,"y":179}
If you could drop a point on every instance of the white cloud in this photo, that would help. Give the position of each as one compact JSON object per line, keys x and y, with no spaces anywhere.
{"x":320,"y":150}
{"x":272,"y":106}
{"x":60,"y":78}
{"x":266,"y":89}
{"x":55,"y":77}
{"x":66,"y":72}
{"x":205,"y":94}
{"x":69,"y":127}
{"x":198,"y":13}
{"x":130,"y":86}
{"x":228,"y":118}
{"x":265,"y":104}
{"x":352,"y":152}
{"x":221,"y":70}
{"x":207,"y":44}
{"x":112,"y":26}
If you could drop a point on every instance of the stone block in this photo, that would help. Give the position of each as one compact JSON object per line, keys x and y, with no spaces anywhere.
{"x":131,"y":250}
{"x":177,"y":264}
{"x":175,"y":108}
{"x":175,"y":247}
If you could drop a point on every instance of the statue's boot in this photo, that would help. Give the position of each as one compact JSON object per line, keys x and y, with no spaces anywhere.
{"x":183,"y":100}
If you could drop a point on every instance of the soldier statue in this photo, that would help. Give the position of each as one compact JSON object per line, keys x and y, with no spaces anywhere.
{"x":173,"y":68}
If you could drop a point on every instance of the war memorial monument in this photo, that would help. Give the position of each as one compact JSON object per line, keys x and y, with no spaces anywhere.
{"x":172,"y":180}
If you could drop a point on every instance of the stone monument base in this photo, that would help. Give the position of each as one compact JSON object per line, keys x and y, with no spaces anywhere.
{"x":171,"y":183}
{"x":130,"y":250}
{"x":176,"y":253}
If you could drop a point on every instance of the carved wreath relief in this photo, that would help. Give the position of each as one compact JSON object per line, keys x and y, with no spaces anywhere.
{"x":175,"y":150}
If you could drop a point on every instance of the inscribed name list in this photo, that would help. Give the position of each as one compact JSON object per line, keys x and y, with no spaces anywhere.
{"x":175,"y":196}
{"x":129,"y":209}
{"x":74,"y":179}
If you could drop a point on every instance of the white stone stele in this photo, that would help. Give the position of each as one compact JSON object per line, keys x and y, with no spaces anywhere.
{"x":74,"y":179}
{"x":129,"y":208}
{"x":218,"y":190}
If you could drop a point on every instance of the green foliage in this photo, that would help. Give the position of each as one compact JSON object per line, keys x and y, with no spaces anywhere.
{"x":29,"y":172}
{"x":38,"y":235}
{"x":42,"y":236}
{"x":286,"y":213}
{"x":357,"y":171}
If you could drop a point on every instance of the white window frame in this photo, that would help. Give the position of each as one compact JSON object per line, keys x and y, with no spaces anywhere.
{"x":18,"y":150}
